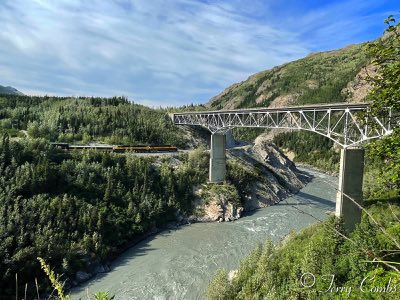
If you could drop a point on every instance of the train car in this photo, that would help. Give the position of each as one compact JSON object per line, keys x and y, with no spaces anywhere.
{"x":64,"y":146}
{"x":144,"y":148}
{"x":95,"y":147}
{"x":131,"y":148}
{"x":164,"y":148}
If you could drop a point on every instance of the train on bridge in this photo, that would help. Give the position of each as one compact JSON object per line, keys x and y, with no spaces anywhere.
{"x":119,"y":148}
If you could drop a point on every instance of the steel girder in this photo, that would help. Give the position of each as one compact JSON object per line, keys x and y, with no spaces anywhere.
{"x":345,"y":124}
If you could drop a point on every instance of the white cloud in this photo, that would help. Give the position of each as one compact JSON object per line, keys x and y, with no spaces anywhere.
{"x":177,"y":51}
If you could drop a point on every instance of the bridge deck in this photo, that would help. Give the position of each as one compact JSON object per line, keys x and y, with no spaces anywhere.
{"x":322,"y":106}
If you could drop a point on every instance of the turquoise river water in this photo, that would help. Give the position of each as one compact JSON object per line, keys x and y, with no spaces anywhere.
{"x":179,"y":264}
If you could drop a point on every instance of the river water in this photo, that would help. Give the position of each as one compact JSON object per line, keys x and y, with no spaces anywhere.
{"x":179,"y":264}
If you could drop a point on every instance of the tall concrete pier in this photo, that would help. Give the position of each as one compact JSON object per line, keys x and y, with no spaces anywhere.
{"x":350,"y":185}
{"x":217,"y":158}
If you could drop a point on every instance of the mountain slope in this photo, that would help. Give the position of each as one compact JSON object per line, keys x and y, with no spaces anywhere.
{"x":333,"y":76}
{"x":9,"y":90}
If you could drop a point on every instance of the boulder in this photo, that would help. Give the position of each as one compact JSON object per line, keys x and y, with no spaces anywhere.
{"x":99,"y":269}
{"x":192,"y":219}
{"x":107,"y":268}
{"x":82,"y":276}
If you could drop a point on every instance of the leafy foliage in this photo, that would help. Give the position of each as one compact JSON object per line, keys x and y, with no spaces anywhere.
{"x":386,"y":93}
{"x":241,"y":178}
{"x":59,"y":286}
{"x":247,"y":134}
{"x":103,"y":296}
{"x":54,"y":279}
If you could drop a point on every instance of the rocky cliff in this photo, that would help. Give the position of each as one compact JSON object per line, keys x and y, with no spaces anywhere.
{"x":269,"y":177}
{"x":278,"y":178}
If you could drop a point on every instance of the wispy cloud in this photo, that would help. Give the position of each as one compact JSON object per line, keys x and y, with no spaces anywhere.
{"x":168,"y":52}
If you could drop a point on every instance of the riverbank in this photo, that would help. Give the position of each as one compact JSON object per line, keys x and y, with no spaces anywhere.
{"x":179,"y":263}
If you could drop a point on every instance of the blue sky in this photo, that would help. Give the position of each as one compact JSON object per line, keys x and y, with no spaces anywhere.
{"x":170,"y":52}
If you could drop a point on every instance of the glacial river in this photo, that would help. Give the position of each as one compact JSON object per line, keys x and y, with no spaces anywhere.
{"x":179,"y":264}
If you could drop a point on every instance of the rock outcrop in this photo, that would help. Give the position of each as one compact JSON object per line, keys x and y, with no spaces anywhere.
{"x":218,"y":203}
{"x":357,"y":89}
{"x":276,"y":178}
{"x":279,"y":175}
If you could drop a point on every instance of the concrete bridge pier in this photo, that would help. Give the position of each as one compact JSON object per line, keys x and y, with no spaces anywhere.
{"x":217,"y":158}
{"x":350,"y":185}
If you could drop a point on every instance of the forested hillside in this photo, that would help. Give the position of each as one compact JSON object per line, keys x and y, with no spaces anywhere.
{"x":310,"y":148}
{"x":75,"y":209}
{"x":80,"y":207}
{"x":111,"y":120}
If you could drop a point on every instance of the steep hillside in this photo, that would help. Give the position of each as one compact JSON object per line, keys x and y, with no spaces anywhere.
{"x":9,"y":90}
{"x":333,"y":76}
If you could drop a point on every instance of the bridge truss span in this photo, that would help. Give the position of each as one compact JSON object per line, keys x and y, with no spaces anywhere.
{"x":345,"y":124}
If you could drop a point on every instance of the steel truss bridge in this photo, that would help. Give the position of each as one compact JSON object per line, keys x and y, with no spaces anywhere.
{"x":344,"y":123}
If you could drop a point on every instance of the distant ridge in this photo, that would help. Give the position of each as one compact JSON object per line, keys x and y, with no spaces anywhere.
{"x":9,"y":90}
